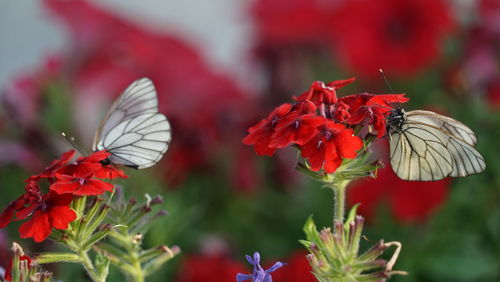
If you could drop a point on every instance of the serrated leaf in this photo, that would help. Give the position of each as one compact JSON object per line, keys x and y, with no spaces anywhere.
{"x":102,"y":265}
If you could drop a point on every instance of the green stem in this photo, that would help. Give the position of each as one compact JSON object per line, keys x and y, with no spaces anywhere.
{"x":132,"y":259}
{"x":138,"y":274}
{"x":89,"y":267}
{"x":339,"y":188}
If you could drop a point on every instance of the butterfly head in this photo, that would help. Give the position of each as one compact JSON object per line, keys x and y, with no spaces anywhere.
{"x":395,"y":121}
{"x":106,"y":161}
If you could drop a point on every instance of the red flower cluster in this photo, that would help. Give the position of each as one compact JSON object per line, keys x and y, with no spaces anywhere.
{"x":402,"y":37}
{"x":52,"y":210}
{"x":322,"y":125}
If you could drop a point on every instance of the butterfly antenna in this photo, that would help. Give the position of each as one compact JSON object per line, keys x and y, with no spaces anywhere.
{"x":386,"y":81}
{"x":389,"y":86}
{"x":71,"y":140}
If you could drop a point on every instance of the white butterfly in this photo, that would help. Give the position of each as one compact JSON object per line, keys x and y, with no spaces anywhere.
{"x":133,"y":130}
{"x":426,"y":146}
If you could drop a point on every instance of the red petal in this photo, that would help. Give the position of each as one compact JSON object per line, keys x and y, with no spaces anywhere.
{"x":37,"y":227}
{"x":25,"y":212}
{"x":341,"y":83}
{"x":347,"y":144}
{"x":109,"y":172}
{"x":331,"y":158}
{"x":6,"y":215}
{"x":60,"y":217}
{"x":96,"y":157}
{"x":64,"y":187}
{"x":54,"y":199}
{"x":93,"y":187}
{"x":387,"y":99}
{"x":314,"y":154}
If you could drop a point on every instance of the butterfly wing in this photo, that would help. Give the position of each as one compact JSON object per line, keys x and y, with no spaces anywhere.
{"x":451,"y":126}
{"x":139,"y":98}
{"x":418,"y":154}
{"x":432,"y":147}
{"x":133,"y":131}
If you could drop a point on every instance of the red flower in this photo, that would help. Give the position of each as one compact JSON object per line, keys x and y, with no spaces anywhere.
{"x":89,"y":166}
{"x":297,"y":269}
{"x":54,"y":165}
{"x":52,"y":212}
{"x":319,"y":94}
{"x":285,"y":22}
{"x":322,"y":125}
{"x":23,"y":206}
{"x":341,"y":112}
{"x":295,"y":129}
{"x":370,"y":108}
{"x":408,"y":200}
{"x":304,"y":107}
{"x":333,"y":142}
{"x":102,"y":171}
{"x":204,"y":268}
{"x":260,"y":134}
{"x":110,"y":172}
{"x":84,"y":166}
{"x":46,"y":211}
{"x":80,"y":186}
{"x":402,"y":37}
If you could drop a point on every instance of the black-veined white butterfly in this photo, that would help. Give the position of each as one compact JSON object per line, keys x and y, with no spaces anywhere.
{"x":426,"y":146}
{"x":133,"y":130}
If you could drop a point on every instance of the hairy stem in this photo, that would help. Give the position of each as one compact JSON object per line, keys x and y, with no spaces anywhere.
{"x":339,"y":188}
{"x":89,"y":267}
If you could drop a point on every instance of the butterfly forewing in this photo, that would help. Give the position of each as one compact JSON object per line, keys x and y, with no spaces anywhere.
{"x":451,"y":126}
{"x":139,"y":98}
{"x":133,"y":131}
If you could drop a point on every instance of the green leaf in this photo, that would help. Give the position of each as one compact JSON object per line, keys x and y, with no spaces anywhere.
{"x":102,"y":265}
{"x":351,"y":216}
{"x":311,"y":231}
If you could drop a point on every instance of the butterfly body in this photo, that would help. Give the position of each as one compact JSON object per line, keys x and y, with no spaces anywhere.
{"x":395,"y":121}
{"x":133,"y":130}
{"x":425,"y":146}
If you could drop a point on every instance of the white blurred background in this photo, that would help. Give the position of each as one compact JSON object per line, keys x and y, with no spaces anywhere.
{"x":219,"y":27}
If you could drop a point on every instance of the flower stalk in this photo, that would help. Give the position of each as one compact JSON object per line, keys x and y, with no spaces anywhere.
{"x":339,"y":190}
